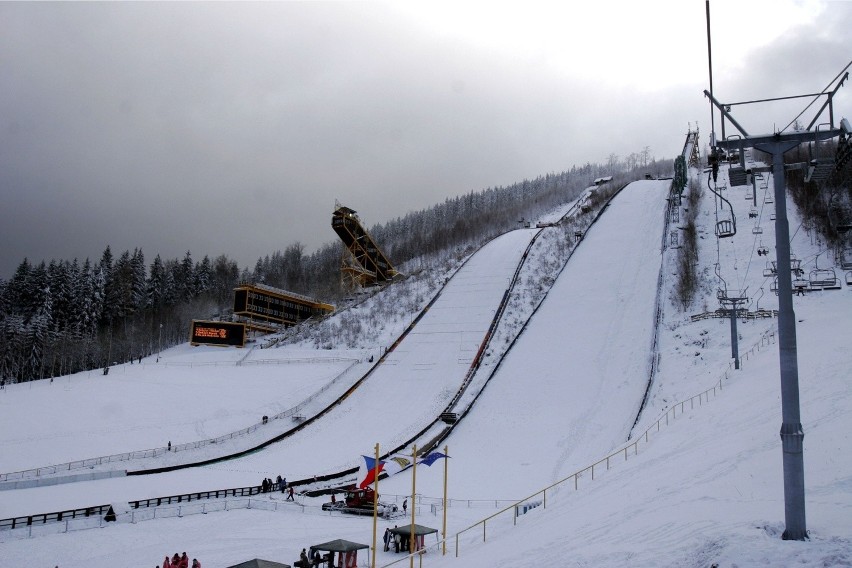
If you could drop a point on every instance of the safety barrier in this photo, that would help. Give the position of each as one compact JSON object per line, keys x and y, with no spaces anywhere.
{"x":58,"y":516}
{"x":742,"y":314}
{"x":24,"y":531}
{"x":48,"y":481}
{"x":156,"y":452}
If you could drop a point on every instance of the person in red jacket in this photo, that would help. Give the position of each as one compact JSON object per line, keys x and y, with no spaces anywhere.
{"x":167,"y":563}
{"x":184,"y":561}
{"x":196,"y":563}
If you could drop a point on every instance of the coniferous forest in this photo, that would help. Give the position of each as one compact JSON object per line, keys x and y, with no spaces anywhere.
{"x":62,"y":316}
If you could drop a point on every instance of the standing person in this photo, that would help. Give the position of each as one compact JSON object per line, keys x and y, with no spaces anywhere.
{"x":387,"y":538}
{"x":263,"y":486}
{"x":290,"y":493}
{"x":167,"y":563}
{"x":196,"y":563}
{"x":278,"y":480}
{"x":170,"y":445}
{"x":184,"y":561}
{"x":175,"y":560}
{"x":396,"y":542}
{"x":405,"y":505}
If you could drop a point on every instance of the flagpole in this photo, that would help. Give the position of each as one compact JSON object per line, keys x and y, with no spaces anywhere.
{"x":413,"y":493}
{"x":375,"y":500}
{"x":444,"y":532}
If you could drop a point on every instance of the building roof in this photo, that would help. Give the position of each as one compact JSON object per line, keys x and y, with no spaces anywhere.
{"x":339,"y":545}
{"x":258,"y":563}
{"x":419,"y":530}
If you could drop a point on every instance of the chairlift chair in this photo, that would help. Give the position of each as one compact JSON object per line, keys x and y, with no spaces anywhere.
{"x":801,"y":285}
{"x":752,"y":214}
{"x":770,"y":270}
{"x":849,"y":278}
{"x":795,"y":266}
{"x":844,"y":259}
{"x":823,"y":279}
{"x":756,"y":230}
{"x":839,"y":215}
{"x":819,"y":170}
{"x":757,"y":300}
{"x":725,"y":229}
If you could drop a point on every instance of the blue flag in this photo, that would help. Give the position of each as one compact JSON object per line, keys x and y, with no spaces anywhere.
{"x":431,"y":458}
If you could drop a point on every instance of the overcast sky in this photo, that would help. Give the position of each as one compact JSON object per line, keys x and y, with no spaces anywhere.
{"x":233,"y":127}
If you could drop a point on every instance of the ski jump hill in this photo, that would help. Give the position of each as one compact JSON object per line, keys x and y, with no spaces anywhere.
{"x":423,"y":373}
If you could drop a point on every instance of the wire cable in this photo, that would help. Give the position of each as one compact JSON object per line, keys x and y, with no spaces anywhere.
{"x":816,"y":98}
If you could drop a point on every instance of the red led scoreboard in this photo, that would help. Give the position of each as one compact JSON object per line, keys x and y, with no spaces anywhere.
{"x":218,"y":333}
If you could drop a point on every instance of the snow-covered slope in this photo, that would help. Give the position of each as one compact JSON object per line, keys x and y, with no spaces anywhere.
{"x":571,"y":387}
{"x":705,"y":488}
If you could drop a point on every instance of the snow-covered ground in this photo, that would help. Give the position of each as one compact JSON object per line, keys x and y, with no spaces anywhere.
{"x":703,"y":488}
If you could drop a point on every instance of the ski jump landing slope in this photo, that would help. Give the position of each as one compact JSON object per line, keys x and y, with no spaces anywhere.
{"x":416,"y":380}
{"x":570,"y":389}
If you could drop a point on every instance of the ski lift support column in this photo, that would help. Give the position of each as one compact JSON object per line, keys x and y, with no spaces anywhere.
{"x":792,"y":434}
{"x":730,"y":304}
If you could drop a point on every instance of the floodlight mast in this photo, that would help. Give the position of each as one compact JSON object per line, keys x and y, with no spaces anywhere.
{"x":792,"y":434}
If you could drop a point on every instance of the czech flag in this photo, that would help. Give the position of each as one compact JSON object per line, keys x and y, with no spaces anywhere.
{"x":389,"y":466}
{"x":367,"y":471}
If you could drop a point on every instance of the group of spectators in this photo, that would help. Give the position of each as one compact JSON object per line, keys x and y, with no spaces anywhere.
{"x":309,"y":561}
{"x":267,"y":486}
{"x":180,"y":561}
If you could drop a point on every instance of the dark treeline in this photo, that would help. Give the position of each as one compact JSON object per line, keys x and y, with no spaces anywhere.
{"x":825,"y":206}
{"x":63,"y":317}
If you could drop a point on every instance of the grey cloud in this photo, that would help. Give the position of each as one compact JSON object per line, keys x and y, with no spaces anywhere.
{"x":232,"y":127}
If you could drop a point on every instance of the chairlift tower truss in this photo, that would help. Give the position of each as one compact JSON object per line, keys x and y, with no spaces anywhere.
{"x":792,"y":434}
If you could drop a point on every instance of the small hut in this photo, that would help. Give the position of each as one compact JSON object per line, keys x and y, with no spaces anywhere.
{"x":420,"y":533}
{"x":258,"y":563}
{"x":347,"y":550}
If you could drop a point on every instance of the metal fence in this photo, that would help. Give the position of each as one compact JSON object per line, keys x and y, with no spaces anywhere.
{"x":206,"y":502}
{"x":588,"y":473}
